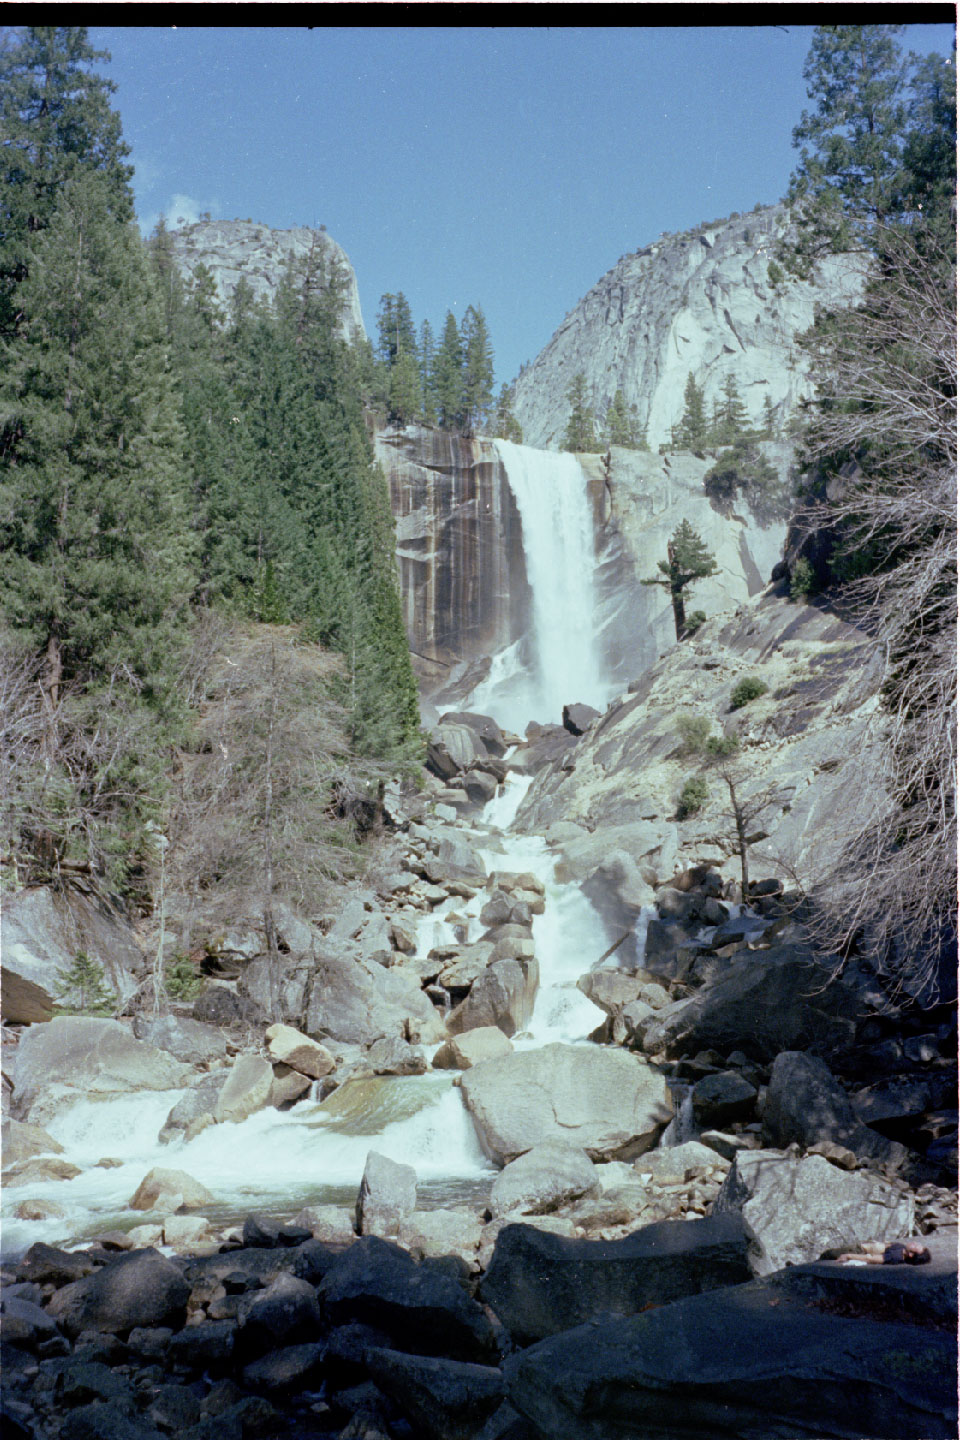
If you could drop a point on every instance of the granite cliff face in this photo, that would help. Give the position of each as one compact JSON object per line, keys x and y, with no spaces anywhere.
{"x":701,"y":301}
{"x":240,"y":249}
{"x":459,"y":547}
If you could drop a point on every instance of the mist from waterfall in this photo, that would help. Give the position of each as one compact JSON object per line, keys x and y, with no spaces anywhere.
{"x":558,"y":661}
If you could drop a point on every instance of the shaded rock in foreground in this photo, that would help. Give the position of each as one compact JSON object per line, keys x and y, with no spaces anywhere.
{"x":539,"y":1284}
{"x":444,"y":1399}
{"x":749,"y":1361}
{"x":604,"y":1101}
{"x":143,"y":1288}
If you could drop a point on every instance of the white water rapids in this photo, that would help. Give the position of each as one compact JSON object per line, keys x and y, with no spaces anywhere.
{"x":315,"y":1153}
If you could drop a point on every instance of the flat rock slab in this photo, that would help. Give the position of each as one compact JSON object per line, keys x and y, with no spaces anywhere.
{"x":607,"y":1102}
{"x":92,"y":1055}
{"x":748,"y":1361}
{"x":539,"y":1284}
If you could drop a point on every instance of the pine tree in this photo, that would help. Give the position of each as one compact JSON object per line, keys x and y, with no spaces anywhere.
{"x":395,"y":329}
{"x":428,"y":361}
{"x":851,"y":146}
{"x":56,"y":123}
{"x":580,"y":435}
{"x":507,"y":427}
{"x":730,"y":421}
{"x":623,"y":424}
{"x":405,"y":399}
{"x":477,"y":355}
{"x":688,"y":559}
{"x":691,"y":433}
{"x":448,"y":383}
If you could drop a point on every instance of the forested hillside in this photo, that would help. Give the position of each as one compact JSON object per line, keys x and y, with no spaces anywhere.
{"x":169,"y":473}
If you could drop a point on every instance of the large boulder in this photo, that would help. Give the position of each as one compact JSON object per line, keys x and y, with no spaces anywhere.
{"x":794,"y":1209}
{"x":20,"y":1142}
{"x":290,"y":1047}
{"x":805,"y":1104}
{"x":442,"y":1399}
{"x":185,"y":1039}
{"x":142,"y":1288}
{"x":160,"y":1185}
{"x":196,"y":1105}
{"x":607,"y":1102}
{"x":769,"y":1358}
{"x":349,"y":1004}
{"x":88,"y":1056}
{"x":483,"y":726}
{"x":285,"y":1311}
{"x":387,"y":1195}
{"x":452,"y":749}
{"x":787,"y":999}
{"x":503,"y":996}
{"x":247,"y":1089}
{"x":461,"y":1052}
{"x":538,"y":1284}
{"x":545,"y":1178}
{"x":424,"y":1312}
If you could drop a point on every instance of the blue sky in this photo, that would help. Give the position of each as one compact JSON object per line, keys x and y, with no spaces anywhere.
{"x":506,"y":167}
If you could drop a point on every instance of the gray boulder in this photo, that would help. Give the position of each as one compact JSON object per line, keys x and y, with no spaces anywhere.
{"x":611,"y":990}
{"x":483,"y":726}
{"x":607,"y":1102}
{"x":544,"y":1179}
{"x":577,"y":719}
{"x":795,"y":1209}
{"x":185,"y":1039}
{"x":452,"y":749}
{"x":20,"y":1142}
{"x":199,"y":1101}
{"x":348,"y":1004}
{"x":394,"y":1056}
{"x":89,"y":1056}
{"x":247,"y":1089}
{"x":806,"y":1104}
{"x":503,"y":995}
{"x":387,"y":1195}
{"x":142,"y":1288}
{"x":538,"y":1284}
{"x":460,"y":1052}
{"x":769,"y":1361}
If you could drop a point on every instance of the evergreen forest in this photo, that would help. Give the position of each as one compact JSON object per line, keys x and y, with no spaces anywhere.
{"x":172,"y":475}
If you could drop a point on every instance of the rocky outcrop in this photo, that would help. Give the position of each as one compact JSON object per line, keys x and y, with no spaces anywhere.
{"x":43,"y":931}
{"x":701,"y":301}
{"x":459,"y":548}
{"x":808,"y":743}
{"x":242,"y":249}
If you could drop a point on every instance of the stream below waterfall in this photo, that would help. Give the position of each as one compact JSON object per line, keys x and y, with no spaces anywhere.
{"x":314,"y":1153}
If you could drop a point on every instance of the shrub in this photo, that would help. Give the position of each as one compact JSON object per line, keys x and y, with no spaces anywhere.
{"x":181,"y":981}
{"x":721,"y":747}
{"x":694,"y":732}
{"x":803,"y":579}
{"x":775,"y":274}
{"x":750,"y":688}
{"x":694,"y":621}
{"x":82,"y":990}
{"x":692,"y":796}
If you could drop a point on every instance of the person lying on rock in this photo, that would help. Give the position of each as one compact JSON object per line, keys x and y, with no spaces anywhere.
{"x":877,"y":1252}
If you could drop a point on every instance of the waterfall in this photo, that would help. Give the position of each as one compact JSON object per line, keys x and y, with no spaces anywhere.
{"x":558,"y":662}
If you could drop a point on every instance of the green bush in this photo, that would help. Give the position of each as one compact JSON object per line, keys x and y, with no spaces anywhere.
{"x":775,"y":274}
{"x":721,"y":747}
{"x":82,"y":989}
{"x":692,"y":796}
{"x":694,"y":621}
{"x":803,"y":579}
{"x":694,"y":732}
{"x":750,"y":688}
{"x":181,"y":980}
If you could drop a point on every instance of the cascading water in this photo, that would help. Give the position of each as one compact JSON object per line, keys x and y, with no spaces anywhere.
{"x":315,"y":1153}
{"x":558,"y":662}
